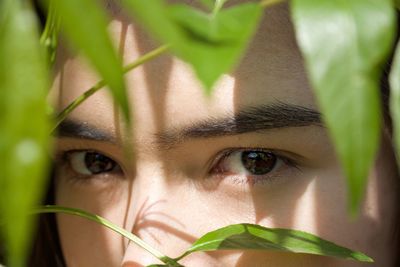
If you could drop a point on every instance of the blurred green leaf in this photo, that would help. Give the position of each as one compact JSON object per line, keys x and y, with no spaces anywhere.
{"x":251,"y":236}
{"x":394,"y":80}
{"x":100,"y":84}
{"x":344,"y":44}
{"x":85,"y":23}
{"x":24,"y":128}
{"x":397,"y":3}
{"x":211,"y":43}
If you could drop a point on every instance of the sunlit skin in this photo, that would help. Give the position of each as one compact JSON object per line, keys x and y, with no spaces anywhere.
{"x":171,"y":193}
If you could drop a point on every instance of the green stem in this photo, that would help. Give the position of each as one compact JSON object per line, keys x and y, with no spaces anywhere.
{"x":48,"y":39}
{"x":49,"y":21}
{"x":269,"y":3}
{"x":217,"y":6}
{"x":80,"y":99}
{"x":135,"y":239}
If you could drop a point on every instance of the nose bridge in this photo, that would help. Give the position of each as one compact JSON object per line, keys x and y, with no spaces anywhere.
{"x":147,"y":205}
{"x":148,"y":189}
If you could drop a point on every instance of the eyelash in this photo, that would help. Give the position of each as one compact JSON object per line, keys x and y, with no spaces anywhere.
{"x":65,"y":159}
{"x":285,"y":165}
{"x":218,"y":170}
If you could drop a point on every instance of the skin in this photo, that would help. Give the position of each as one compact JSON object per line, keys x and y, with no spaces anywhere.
{"x":171,"y":194}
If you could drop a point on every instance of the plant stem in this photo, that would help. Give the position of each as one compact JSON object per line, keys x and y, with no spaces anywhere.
{"x":49,"y":21}
{"x":48,"y":39}
{"x":80,"y":99}
{"x":217,"y":6}
{"x":269,"y":3}
{"x":135,"y":239}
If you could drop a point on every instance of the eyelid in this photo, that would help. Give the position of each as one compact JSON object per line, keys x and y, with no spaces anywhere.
{"x":288,"y":158}
{"x":63,"y":154}
{"x":64,"y":145}
{"x":63,"y":162}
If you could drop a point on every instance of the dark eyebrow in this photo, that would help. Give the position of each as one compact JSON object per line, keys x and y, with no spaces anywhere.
{"x":253,"y":119}
{"x":83,"y":130}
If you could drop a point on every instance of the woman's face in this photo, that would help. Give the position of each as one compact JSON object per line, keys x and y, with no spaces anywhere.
{"x":253,"y":152}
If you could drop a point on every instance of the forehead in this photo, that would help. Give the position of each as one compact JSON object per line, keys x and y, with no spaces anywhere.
{"x":165,"y":91}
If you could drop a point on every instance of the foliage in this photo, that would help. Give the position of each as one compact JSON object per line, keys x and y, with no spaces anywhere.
{"x":346,"y":74}
{"x":90,"y":35}
{"x":344,"y":43}
{"x":250,"y":236}
{"x":25,"y":125}
{"x":237,"y":236}
{"x":211,"y":43}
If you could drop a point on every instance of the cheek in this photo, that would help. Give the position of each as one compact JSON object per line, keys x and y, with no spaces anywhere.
{"x":314,"y":202}
{"x":86,"y":243}
{"x":317,"y":203}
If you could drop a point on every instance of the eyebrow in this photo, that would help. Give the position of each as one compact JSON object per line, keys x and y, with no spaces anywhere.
{"x":83,"y":130}
{"x":253,"y":119}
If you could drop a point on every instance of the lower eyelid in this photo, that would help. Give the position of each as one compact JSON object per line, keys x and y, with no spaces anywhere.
{"x":77,"y":179}
{"x":254,"y":180}
{"x":262,"y":181}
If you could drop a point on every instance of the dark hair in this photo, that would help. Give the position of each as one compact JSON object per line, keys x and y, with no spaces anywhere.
{"x":46,"y":249}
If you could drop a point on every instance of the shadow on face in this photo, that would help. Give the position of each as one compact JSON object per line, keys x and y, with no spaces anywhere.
{"x":196,"y":162}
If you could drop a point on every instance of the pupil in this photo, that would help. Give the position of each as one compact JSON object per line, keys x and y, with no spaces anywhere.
{"x":258,"y":162}
{"x":97,"y":163}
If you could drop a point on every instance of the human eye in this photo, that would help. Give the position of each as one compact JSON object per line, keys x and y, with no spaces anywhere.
{"x":86,"y":164}
{"x":253,"y":166}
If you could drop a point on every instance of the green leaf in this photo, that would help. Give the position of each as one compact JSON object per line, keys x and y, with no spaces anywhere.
{"x":344,"y":44}
{"x":85,"y":23}
{"x":394,"y":80}
{"x":211,"y":43}
{"x":100,"y":220}
{"x":251,"y":236}
{"x":24,"y":128}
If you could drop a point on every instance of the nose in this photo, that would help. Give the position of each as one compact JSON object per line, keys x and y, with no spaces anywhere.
{"x":148,"y":227}
{"x":161,"y":235}
{"x":156,"y":218}
{"x":150,"y":220}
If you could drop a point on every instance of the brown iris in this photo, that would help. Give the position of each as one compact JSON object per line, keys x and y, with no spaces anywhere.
{"x":97,"y":163}
{"x":258,"y":162}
